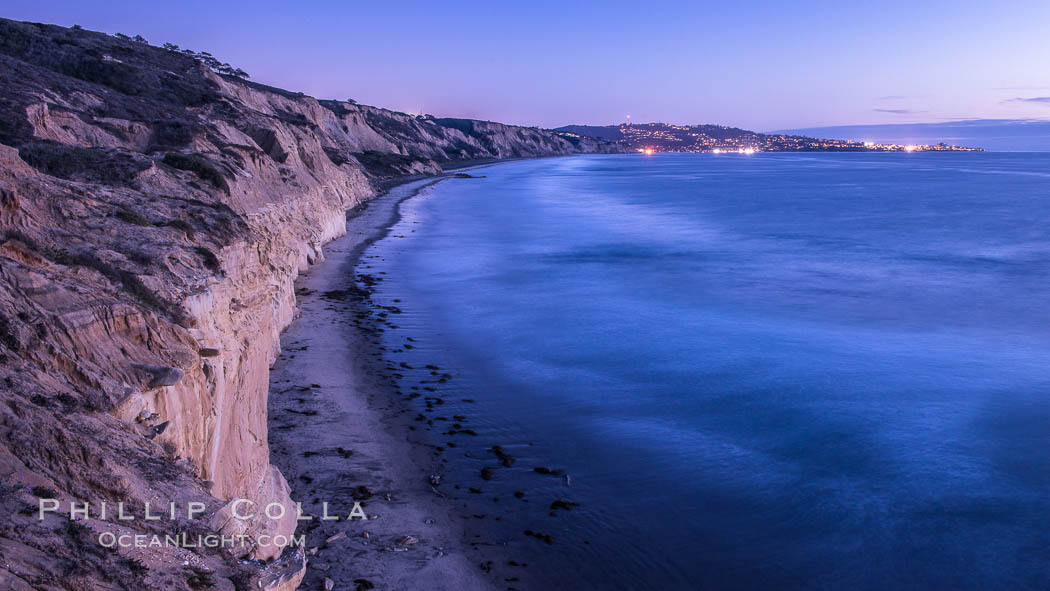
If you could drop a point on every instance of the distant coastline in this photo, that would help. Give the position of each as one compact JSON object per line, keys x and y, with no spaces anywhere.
{"x":666,"y":137}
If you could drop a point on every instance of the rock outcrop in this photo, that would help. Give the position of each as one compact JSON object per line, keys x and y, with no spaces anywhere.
{"x":153,"y":217}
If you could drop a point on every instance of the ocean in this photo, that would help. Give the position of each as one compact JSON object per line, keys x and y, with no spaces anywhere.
{"x":775,"y":371}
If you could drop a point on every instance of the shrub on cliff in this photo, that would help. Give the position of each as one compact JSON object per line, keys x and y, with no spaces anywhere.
{"x":211,"y":261}
{"x":124,"y":278}
{"x":172,"y":133}
{"x":198,"y":166}
{"x":336,"y":156}
{"x":8,"y":336}
{"x":129,"y":216}
{"x":90,"y":259}
{"x":127,"y":66}
{"x":82,"y":164}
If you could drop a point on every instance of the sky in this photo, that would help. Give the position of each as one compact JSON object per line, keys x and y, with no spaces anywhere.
{"x":760,"y":64}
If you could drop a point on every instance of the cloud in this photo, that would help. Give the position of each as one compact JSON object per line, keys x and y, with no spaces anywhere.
{"x":899,"y":111}
{"x":1045,"y":100}
{"x":973,"y":122}
{"x":892,"y":97}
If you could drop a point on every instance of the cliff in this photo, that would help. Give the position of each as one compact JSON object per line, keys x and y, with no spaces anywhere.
{"x":153,"y":217}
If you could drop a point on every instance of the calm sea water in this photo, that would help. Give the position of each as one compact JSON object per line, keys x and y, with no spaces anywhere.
{"x":825,"y":371}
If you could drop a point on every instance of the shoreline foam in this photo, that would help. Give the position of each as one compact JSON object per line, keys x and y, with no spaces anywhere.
{"x":340,"y":433}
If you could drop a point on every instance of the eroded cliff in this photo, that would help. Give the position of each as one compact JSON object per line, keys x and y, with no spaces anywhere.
{"x":153,"y":217}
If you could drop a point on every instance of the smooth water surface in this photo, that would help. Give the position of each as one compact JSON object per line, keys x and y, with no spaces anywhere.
{"x":826,"y":371}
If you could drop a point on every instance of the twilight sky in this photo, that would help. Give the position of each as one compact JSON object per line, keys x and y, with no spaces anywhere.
{"x":761,"y":64}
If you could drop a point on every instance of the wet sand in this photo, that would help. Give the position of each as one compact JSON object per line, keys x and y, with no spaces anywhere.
{"x":339,"y":432}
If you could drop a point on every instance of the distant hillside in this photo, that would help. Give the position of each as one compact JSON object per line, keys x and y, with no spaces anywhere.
{"x":607,"y":132}
{"x":665,"y":137}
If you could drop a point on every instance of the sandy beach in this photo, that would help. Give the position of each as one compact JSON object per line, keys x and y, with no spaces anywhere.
{"x":340,"y":434}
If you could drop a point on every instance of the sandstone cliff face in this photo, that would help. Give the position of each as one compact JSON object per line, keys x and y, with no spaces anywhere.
{"x":153,"y":218}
